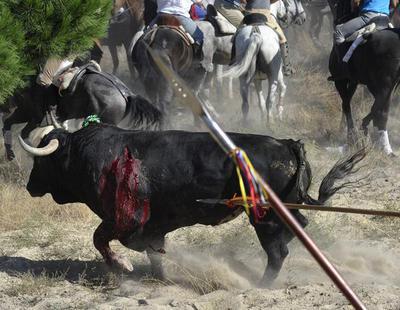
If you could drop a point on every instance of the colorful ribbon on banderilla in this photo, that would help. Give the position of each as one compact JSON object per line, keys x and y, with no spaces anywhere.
{"x":249,"y":178}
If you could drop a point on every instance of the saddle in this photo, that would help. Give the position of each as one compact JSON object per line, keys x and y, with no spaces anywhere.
{"x":68,"y":81}
{"x":360,"y":36}
{"x":255,"y":19}
{"x":171,"y":22}
{"x":221,"y":25}
{"x":376,"y":24}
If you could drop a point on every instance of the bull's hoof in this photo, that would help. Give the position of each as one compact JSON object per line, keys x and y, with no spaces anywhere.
{"x":122,"y":263}
{"x":265,"y":283}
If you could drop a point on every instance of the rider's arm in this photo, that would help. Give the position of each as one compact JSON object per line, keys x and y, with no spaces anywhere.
{"x":394,"y":3}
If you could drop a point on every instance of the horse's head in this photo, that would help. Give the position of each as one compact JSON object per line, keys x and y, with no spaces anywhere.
{"x":278,"y":9}
{"x":119,"y":6}
{"x":295,"y":12}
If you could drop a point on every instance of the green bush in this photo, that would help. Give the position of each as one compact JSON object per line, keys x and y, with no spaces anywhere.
{"x":31,"y":31}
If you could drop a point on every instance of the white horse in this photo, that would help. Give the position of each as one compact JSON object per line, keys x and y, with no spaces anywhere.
{"x":258,"y":58}
{"x":217,"y":48}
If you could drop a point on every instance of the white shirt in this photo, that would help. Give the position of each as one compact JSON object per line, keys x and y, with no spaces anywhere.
{"x":177,"y":7}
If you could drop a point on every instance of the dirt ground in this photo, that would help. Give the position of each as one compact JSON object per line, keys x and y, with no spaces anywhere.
{"x":48,"y":261}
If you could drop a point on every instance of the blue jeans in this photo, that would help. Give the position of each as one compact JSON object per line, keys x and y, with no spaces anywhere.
{"x":190,"y":26}
{"x":345,"y":30}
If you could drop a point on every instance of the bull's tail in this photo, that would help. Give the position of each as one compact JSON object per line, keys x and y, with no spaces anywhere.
{"x":344,"y":167}
{"x":140,"y":114}
{"x":241,"y":66}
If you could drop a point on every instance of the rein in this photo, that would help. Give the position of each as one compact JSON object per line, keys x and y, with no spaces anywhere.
{"x":287,"y":5}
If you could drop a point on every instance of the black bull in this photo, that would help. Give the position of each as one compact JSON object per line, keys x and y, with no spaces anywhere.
{"x":145,"y":184}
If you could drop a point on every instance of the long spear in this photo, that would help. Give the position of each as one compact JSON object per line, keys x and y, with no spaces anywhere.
{"x":188,"y":97}
{"x":239,"y":201}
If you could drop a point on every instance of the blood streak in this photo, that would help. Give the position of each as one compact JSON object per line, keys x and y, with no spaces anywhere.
{"x":119,"y":192}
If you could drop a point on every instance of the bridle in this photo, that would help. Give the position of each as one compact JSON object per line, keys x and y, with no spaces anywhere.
{"x":297,"y":14}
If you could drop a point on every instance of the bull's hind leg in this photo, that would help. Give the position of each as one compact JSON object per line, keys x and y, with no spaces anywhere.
{"x":276,"y":248}
{"x":101,"y":239}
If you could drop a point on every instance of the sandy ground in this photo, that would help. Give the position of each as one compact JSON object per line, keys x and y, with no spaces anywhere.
{"x":48,"y":261}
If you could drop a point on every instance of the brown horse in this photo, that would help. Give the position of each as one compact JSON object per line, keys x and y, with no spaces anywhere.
{"x":127,"y":19}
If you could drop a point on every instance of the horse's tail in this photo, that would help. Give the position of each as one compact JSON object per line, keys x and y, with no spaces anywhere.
{"x":241,"y":66}
{"x":327,"y":189}
{"x":140,"y":114}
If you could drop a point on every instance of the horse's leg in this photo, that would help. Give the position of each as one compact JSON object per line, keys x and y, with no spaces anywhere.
{"x":282,"y":92}
{"x":271,"y":99}
{"x":261,"y":100}
{"x":244,"y":92}
{"x":346,"y":91}
{"x":230,"y":87}
{"x":380,"y":114}
{"x":114,"y":56}
{"x":314,"y":21}
{"x":17,"y":117}
{"x":165,"y":95}
{"x":132,"y":69}
{"x":219,"y":82}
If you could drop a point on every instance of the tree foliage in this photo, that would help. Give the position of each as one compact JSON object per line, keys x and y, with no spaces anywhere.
{"x":12,"y":65}
{"x":31,"y":31}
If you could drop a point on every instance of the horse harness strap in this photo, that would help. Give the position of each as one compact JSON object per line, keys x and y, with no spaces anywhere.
{"x":92,"y":69}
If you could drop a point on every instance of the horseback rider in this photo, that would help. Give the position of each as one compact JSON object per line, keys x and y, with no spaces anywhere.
{"x":231,"y":10}
{"x":263,"y":7}
{"x":180,"y":9}
{"x":198,"y":11}
{"x":369,"y":10}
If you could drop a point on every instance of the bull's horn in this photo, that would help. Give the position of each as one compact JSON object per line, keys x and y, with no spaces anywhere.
{"x":54,"y":121}
{"x":44,"y":151}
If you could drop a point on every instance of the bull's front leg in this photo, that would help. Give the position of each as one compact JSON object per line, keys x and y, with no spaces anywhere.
{"x":101,"y":239}
{"x":154,"y":253}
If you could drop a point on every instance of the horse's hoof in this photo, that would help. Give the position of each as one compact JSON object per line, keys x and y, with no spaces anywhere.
{"x":10,"y":155}
{"x":392,"y":155}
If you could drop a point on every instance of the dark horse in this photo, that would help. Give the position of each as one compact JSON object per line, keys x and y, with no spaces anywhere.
{"x":95,"y":93}
{"x":175,"y":49}
{"x":127,"y":19}
{"x":376,"y":64}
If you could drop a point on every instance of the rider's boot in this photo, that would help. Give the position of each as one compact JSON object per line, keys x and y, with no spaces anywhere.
{"x":287,"y":66}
